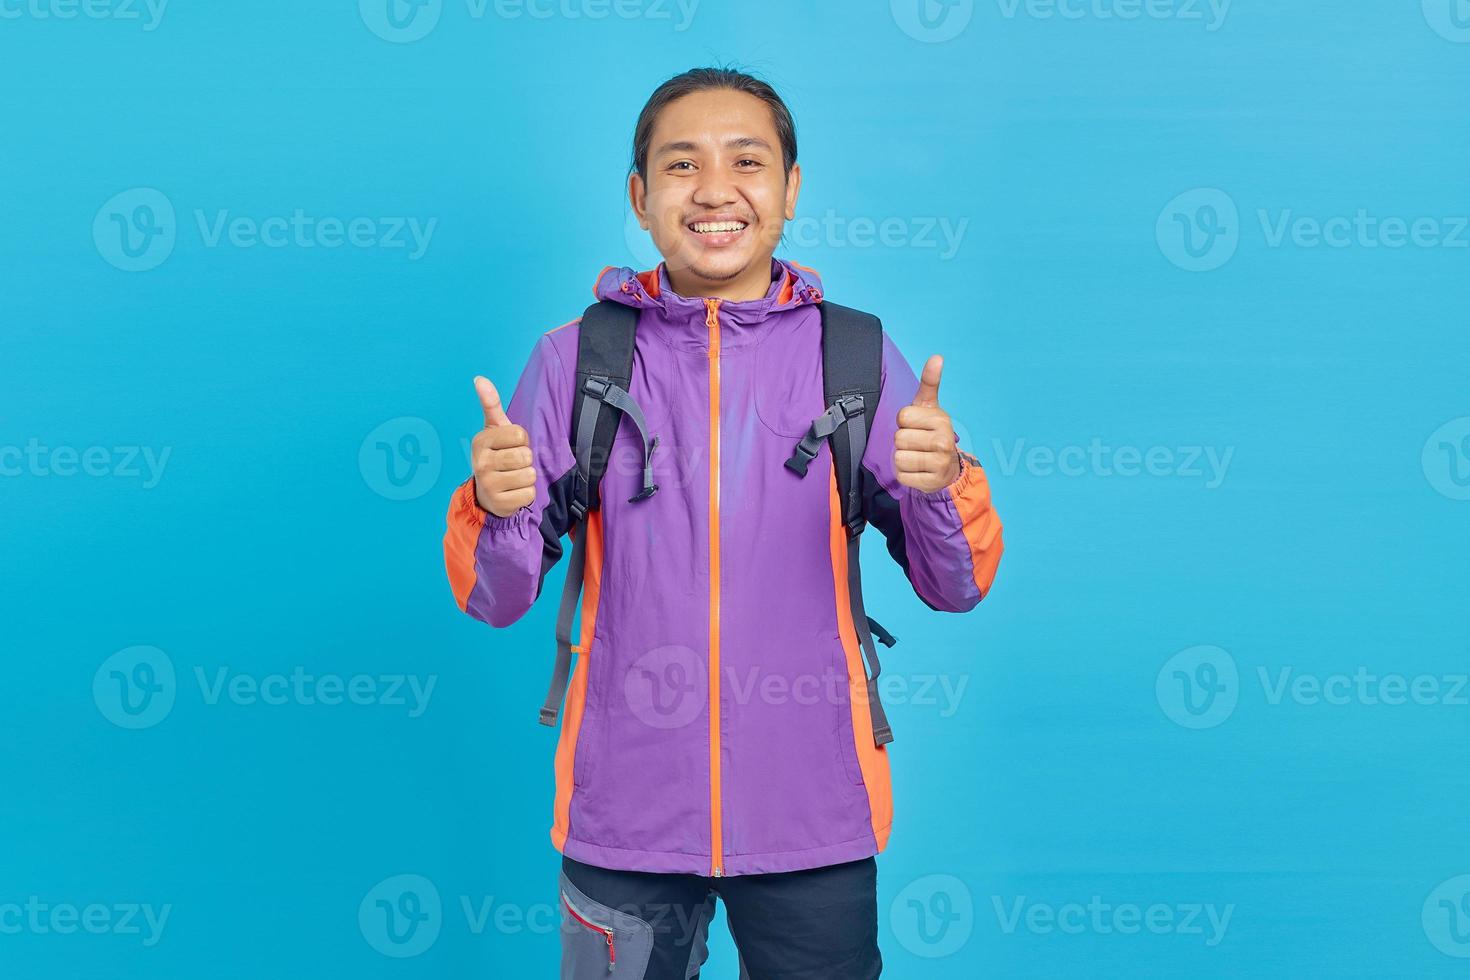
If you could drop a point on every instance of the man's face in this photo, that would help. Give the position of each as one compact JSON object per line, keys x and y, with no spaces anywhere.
{"x":717,"y":194}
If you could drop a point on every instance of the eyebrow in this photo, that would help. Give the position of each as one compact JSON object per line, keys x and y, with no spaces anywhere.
{"x":735,"y":143}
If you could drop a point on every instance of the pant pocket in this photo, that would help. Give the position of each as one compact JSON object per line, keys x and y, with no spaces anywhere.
{"x":598,"y":942}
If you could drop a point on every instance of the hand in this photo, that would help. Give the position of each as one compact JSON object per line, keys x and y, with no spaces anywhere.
{"x":924,"y":453}
{"x":505,"y":480}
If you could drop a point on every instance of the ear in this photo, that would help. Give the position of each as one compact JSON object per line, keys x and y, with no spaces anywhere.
{"x":793,"y":188}
{"x":638,"y":198}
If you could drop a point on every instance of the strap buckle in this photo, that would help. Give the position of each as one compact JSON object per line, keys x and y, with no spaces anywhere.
{"x":579,"y":500}
{"x":802,"y":457}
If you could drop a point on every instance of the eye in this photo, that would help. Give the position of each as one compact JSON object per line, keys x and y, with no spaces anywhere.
{"x":680,"y":163}
{"x":753,"y":163}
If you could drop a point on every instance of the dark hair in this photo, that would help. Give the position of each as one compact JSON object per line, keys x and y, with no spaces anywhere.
{"x":703,"y":79}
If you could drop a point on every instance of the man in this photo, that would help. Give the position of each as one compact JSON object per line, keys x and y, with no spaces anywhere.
{"x":717,"y":738}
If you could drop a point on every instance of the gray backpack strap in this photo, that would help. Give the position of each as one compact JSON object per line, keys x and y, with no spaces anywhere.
{"x":601,"y":399}
{"x":852,"y":378}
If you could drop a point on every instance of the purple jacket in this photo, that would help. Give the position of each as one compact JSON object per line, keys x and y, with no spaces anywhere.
{"x":717,"y":718}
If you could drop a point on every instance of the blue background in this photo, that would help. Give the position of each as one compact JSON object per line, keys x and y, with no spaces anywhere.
{"x":273,"y":540}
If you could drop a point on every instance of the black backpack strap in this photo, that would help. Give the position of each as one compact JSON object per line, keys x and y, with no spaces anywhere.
{"x":852,"y":379}
{"x":600,"y":399}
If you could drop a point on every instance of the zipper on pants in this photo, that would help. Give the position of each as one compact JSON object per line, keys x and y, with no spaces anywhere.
{"x":717,"y":856}
{"x":612,"y":950}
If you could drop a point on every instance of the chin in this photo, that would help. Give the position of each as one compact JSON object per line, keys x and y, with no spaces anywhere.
{"x":720,"y":268}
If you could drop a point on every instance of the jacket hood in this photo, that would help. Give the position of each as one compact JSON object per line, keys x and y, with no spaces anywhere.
{"x":792,"y":285}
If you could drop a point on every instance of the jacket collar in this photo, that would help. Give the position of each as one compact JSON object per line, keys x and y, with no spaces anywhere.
{"x":683,"y":318}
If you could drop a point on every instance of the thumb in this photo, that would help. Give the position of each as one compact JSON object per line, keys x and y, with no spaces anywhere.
{"x":490,"y":402}
{"x":928,"y":393}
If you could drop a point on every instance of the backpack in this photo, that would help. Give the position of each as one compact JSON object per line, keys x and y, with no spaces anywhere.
{"x":852,"y":359}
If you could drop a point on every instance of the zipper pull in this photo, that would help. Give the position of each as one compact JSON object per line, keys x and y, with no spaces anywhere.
{"x":612,"y":952}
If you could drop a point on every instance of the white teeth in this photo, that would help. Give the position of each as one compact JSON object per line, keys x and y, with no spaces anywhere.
{"x":704,"y":227}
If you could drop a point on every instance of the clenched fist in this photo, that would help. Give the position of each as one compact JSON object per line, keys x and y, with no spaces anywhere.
{"x":924,"y":453}
{"x":505,"y":480}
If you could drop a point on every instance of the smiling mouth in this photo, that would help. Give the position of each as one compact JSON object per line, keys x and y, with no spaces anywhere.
{"x":717,"y":227}
{"x":717,"y":234}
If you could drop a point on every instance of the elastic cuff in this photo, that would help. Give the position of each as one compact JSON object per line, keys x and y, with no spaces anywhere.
{"x":468,"y":504}
{"x":969,"y":470}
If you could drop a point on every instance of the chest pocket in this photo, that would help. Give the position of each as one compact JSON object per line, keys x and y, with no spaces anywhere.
{"x":788,"y":386}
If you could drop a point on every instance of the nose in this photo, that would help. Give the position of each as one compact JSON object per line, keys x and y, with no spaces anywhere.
{"x":715,"y":189}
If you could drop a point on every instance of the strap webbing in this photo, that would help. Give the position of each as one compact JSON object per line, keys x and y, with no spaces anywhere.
{"x":857,"y":441}
{"x":570,"y":593}
{"x":882,"y":733}
{"x":597,"y":392}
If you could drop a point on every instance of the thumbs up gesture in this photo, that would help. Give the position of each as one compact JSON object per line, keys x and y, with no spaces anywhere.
{"x":505,"y":480}
{"x":924,"y":453}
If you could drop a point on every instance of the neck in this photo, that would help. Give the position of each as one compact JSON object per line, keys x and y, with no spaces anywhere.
{"x":753,"y":283}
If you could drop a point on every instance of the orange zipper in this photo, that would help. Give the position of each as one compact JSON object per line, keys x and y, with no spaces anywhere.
{"x":612,"y":952}
{"x":717,"y":856}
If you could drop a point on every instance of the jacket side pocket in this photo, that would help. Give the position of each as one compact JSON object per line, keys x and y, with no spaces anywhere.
{"x":598,"y":942}
{"x":846,"y":736}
